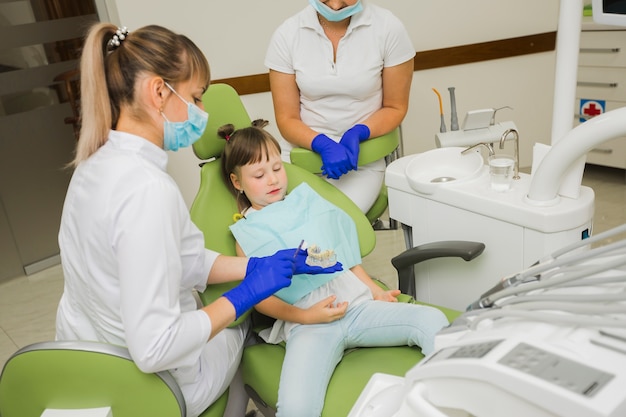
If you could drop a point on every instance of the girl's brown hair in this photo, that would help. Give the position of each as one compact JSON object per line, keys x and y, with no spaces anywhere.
{"x":108,"y":75}
{"x":244,"y":146}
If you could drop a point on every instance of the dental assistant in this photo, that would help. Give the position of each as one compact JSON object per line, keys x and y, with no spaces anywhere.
{"x":340,"y":73}
{"x":131,"y":256}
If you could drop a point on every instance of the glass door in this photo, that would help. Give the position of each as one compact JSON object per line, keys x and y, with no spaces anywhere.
{"x":39,"y":48}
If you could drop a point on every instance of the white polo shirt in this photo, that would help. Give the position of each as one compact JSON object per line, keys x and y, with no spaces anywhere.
{"x":334,"y":96}
{"x":131,"y":257}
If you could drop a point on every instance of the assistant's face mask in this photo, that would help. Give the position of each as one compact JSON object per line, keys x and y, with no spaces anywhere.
{"x":336,"y":15}
{"x":182,"y":134}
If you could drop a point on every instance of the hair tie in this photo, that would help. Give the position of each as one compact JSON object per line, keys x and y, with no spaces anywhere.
{"x":120,"y":35}
{"x":227,"y":137}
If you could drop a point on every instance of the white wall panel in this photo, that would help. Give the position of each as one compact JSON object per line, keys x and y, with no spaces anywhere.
{"x":234,"y":36}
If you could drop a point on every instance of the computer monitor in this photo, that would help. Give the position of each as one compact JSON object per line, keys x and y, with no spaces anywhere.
{"x":609,"y":12}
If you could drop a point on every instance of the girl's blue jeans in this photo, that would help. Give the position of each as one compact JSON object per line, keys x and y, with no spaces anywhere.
{"x":313,"y":351}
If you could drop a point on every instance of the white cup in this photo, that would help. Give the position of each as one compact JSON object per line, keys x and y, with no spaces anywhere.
{"x":501,"y":172}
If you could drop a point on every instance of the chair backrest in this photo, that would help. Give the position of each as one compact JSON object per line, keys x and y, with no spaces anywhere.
{"x":83,"y":375}
{"x":224,"y":106}
{"x":214,"y":206}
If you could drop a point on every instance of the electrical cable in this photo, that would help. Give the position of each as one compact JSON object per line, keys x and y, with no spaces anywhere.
{"x":552,"y":318}
{"x":595,"y":281}
{"x":578,"y":273}
{"x":560,"y":260}
{"x":590,"y":240}
{"x":582,"y":298}
{"x":571,"y":308}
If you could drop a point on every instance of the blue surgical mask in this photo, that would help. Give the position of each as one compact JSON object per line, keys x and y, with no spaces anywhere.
{"x":182,"y":134}
{"x":336,"y":15}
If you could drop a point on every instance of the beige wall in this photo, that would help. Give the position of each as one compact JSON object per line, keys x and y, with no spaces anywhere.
{"x":234,"y":35}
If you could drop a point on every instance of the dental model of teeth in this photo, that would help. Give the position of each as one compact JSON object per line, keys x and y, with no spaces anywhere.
{"x":319,"y":257}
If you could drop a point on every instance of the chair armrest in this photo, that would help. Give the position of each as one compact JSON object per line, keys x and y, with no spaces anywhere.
{"x":406,"y":260}
{"x":370,"y":150}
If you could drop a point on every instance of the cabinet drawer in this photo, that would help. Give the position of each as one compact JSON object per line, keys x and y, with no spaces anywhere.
{"x":603,"y":48}
{"x":611,"y":153}
{"x":601,"y":83}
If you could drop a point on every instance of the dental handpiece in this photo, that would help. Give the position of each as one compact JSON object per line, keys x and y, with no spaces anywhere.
{"x":454,"y":120}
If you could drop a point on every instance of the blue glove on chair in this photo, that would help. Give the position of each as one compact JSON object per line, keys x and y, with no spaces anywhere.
{"x":335,"y":157}
{"x":302,"y":267}
{"x":264,"y":276}
{"x":351,"y":140}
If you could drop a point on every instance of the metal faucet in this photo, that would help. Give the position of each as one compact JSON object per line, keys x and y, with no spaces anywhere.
{"x":516,"y":155}
{"x":489,"y":147}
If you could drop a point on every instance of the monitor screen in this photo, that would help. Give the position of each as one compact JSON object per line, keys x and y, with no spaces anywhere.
{"x":609,"y":12}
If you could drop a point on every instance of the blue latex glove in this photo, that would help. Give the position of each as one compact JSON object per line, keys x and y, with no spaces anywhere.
{"x":335,"y":157}
{"x":351,"y":140}
{"x":301,"y":266}
{"x":264,"y":276}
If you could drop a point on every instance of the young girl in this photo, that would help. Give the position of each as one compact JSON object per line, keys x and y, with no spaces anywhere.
{"x":318,"y":318}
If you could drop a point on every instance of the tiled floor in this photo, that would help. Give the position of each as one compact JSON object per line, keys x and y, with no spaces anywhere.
{"x":28,"y":304}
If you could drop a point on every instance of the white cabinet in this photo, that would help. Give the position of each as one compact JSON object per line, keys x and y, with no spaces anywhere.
{"x":602,"y":84}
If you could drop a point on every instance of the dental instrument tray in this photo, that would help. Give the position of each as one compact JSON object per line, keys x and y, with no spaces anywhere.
{"x":549,"y":341}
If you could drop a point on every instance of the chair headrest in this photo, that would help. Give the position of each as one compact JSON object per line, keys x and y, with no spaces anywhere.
{"x":224,"y":106}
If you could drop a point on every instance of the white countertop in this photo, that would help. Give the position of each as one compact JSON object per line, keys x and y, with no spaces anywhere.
{"x":477,"y":196}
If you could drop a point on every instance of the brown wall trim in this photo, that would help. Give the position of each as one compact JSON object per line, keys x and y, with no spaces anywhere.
{"x":485,"y":51}
{"x":436,"y":58}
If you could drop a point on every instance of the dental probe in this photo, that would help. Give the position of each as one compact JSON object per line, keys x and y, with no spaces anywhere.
{"x":295,"y":255}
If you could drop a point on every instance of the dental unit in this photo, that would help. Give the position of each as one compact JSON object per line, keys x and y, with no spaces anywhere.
{"x":445,"y":193}
{"x":543,"y":332}
{"x":549,"y":341}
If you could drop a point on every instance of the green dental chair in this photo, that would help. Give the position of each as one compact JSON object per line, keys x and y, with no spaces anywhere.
{"x":79,"y":375}
{"x":212,"y":211}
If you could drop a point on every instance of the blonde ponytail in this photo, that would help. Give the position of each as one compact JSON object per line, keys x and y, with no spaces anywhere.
{"x":95,"y":102}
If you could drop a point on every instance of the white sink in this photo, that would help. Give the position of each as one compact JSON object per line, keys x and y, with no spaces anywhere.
{"x":442,"y":166}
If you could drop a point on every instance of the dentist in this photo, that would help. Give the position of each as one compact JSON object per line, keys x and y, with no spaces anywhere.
{"x":131,"y":256}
